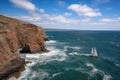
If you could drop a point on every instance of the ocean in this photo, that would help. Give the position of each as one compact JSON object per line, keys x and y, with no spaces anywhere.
{"x":69,"y":57}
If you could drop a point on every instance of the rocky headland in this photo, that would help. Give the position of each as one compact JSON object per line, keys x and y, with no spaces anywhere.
{"x":15,"y":35}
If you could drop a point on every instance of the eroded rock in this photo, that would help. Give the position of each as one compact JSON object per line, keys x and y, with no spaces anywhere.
{"x":15,"y":34}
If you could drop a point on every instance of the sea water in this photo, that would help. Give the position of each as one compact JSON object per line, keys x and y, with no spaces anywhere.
{"x":69,"y":58}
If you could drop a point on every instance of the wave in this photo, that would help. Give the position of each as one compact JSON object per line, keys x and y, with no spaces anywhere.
{"x":27,"y":71}
{"x":30,"y":74}
{"x":89,"y":64}
{"x":107,"y":77}
{"x":55,"y":54}
{"x":53,"y":42}
{"x":95,"y":71}
{"x":56,"y":74}
{"x":50,"y":41}
{"x":117,"y":64}
{"x":69,"y":47}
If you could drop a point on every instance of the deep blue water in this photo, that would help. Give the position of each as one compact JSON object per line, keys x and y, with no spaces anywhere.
{"x":68,"y":58}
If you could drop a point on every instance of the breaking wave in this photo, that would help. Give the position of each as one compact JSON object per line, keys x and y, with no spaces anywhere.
{"x":55,"y":54}
{"x":50,"y":41}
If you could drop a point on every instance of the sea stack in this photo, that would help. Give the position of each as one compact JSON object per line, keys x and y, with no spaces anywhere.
{"x":16,"y":34}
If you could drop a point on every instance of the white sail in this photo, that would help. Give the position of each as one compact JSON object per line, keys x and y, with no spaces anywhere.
{"x":94,"y":52}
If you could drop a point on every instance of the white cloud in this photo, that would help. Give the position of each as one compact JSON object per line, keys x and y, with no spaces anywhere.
{"x":47,"y":20}
{"x":108,"y":20}
{"x":68,"y":14}
{"x":62,"y":19}
{"x":29,"y":18}
{"x":64,"y":22}
{"x":24,"y":4}
{"x":41,"y":10}
{"x":84,"y":10}
{"x":86,"y":20}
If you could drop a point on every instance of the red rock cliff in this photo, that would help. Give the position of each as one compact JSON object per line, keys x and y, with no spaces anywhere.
{"x":15,"y":34}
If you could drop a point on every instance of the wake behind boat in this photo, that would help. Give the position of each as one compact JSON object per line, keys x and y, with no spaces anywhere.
{"x":94,"y":52}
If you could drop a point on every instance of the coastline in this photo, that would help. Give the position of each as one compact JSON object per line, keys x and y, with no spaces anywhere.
{"x":11,"y":67}
{"x":16,"y":34}
{"x":17,"y":73}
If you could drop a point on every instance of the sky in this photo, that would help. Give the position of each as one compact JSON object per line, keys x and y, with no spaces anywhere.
{"x":65,"y":14}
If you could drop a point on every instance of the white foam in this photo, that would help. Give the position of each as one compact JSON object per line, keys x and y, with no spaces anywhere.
{"x":12,"y":78}
{"x":117,"y":64}
{"x":76,"y":48}
{"x":56,"y":74}
{"x":89,"y":64}
{"x":107,"y":77}
{"x":94,"y":70}
{"x":34,"y":74}
{"x":69,"y":47}
{"x":28,"y":73}
{"x":65,"y":48}
{"x":54,"y":54}
{"x":50,"y":41}
{"x":32,"y":56}
{"x":76,"y":53}
{"x":84,"y":54}
{"x":49,"y":36}
{"x":42,"y":75}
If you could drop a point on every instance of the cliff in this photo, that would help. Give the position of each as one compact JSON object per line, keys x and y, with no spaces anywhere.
{"x":15,"y":34}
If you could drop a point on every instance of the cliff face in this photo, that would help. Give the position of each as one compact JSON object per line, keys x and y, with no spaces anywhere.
{"x":15,"y":34}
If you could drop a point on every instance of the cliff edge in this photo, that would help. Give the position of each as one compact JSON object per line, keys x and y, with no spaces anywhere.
{"x":15,"y":34}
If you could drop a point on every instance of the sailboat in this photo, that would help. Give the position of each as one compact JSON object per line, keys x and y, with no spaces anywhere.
{"x":94,"y":52}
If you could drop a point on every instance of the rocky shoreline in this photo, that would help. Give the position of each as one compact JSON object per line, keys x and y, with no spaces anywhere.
{"x":12,"y":67}
{"x":16,"y":34}
{"x":17,"y":73}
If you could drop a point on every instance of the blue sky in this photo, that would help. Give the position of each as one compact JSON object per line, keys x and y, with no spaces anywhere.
{"x":65,"y":14}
